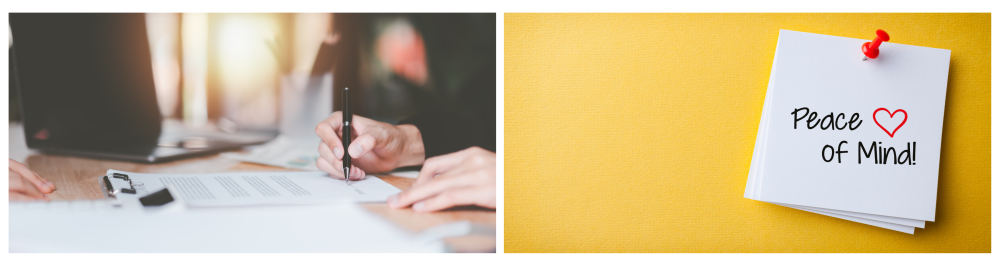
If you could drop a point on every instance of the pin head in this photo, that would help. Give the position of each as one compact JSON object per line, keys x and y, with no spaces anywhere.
{"x":882,"y":35}
{"x":870,"y":49}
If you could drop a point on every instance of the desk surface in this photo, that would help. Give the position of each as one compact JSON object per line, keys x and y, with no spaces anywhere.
{"x":75,"y":179}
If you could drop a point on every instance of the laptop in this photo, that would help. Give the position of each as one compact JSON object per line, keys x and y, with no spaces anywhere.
{"x":85,"y":82}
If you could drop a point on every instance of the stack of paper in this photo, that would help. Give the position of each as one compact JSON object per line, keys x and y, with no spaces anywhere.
{"x":852,"y":139}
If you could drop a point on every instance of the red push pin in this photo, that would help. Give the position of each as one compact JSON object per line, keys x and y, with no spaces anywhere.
{"x":870,"y":49}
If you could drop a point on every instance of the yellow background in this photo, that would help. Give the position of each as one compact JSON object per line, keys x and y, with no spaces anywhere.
{"x":634,"y":133}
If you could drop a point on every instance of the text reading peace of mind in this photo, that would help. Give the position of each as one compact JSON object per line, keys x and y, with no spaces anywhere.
{"x":839,"y":122}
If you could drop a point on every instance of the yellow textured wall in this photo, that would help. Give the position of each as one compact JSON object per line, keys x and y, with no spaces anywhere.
{"x":634,"y":132}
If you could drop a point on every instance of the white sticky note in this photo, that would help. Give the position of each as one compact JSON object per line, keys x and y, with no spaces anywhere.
{"x":800,"y":166}
{"x":752,"y":189}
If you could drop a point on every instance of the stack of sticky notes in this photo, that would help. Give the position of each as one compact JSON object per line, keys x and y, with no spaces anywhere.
{"x":849,"y":138}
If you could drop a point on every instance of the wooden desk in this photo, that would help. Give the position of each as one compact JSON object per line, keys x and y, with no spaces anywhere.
{"x":76,"y":179}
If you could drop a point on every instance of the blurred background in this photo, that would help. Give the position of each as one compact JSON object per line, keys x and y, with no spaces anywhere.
{"x":277,"y":72}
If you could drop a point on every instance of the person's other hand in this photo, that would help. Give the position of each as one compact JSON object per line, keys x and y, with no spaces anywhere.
{"x":26,"y":185}
{"x":376,"y":147}
{"x":467,"y":177}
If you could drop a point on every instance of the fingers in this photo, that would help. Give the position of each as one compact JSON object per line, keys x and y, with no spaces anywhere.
{"x":358,"y":174}
{"x":325,"y":166}
{"x":484,"y":196}
{"x":462,"y":178}
{"x":361,"y":145}
{"x":332,"y":149}
{"x":40,"y":183}
{"x":371,"y":134}
{"x":49,"y":183}
{"x":447,"y":181}
{"x":328,"y":131}
{"x":334,"y":121}
{"x":438,"y":164}
{"x":330,"y":138}
{"x":337,"y":171}
{"x":19,"y":184}
{"x":326,"y":154}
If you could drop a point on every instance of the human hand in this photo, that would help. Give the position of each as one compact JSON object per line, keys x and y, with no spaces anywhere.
{"x":26,"y":185}
{"x":376,"y":147}
{"x":466,"y":177}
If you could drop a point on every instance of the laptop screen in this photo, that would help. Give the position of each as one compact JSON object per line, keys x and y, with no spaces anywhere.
{"x":84,"y":79}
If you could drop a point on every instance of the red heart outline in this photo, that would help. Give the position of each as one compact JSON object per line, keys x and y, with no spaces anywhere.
{"x":905,"y":116}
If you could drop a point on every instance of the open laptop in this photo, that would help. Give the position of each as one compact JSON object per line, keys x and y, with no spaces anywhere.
{"x":86,"y":87}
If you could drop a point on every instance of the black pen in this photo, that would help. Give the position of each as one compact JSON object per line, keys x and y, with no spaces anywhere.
{"x":346,"y":137}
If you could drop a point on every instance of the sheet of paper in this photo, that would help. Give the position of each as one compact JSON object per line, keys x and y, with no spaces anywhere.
{"x":283,"y":151}
{"x":814,"y":71}
{"x":256,"y":188}
{"x":86,"y":226}
{"x":897,"y":224}
{"x":753,"y":179}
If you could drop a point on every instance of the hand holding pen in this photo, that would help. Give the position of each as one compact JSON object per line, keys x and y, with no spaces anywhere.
{"x":376,"y":146}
